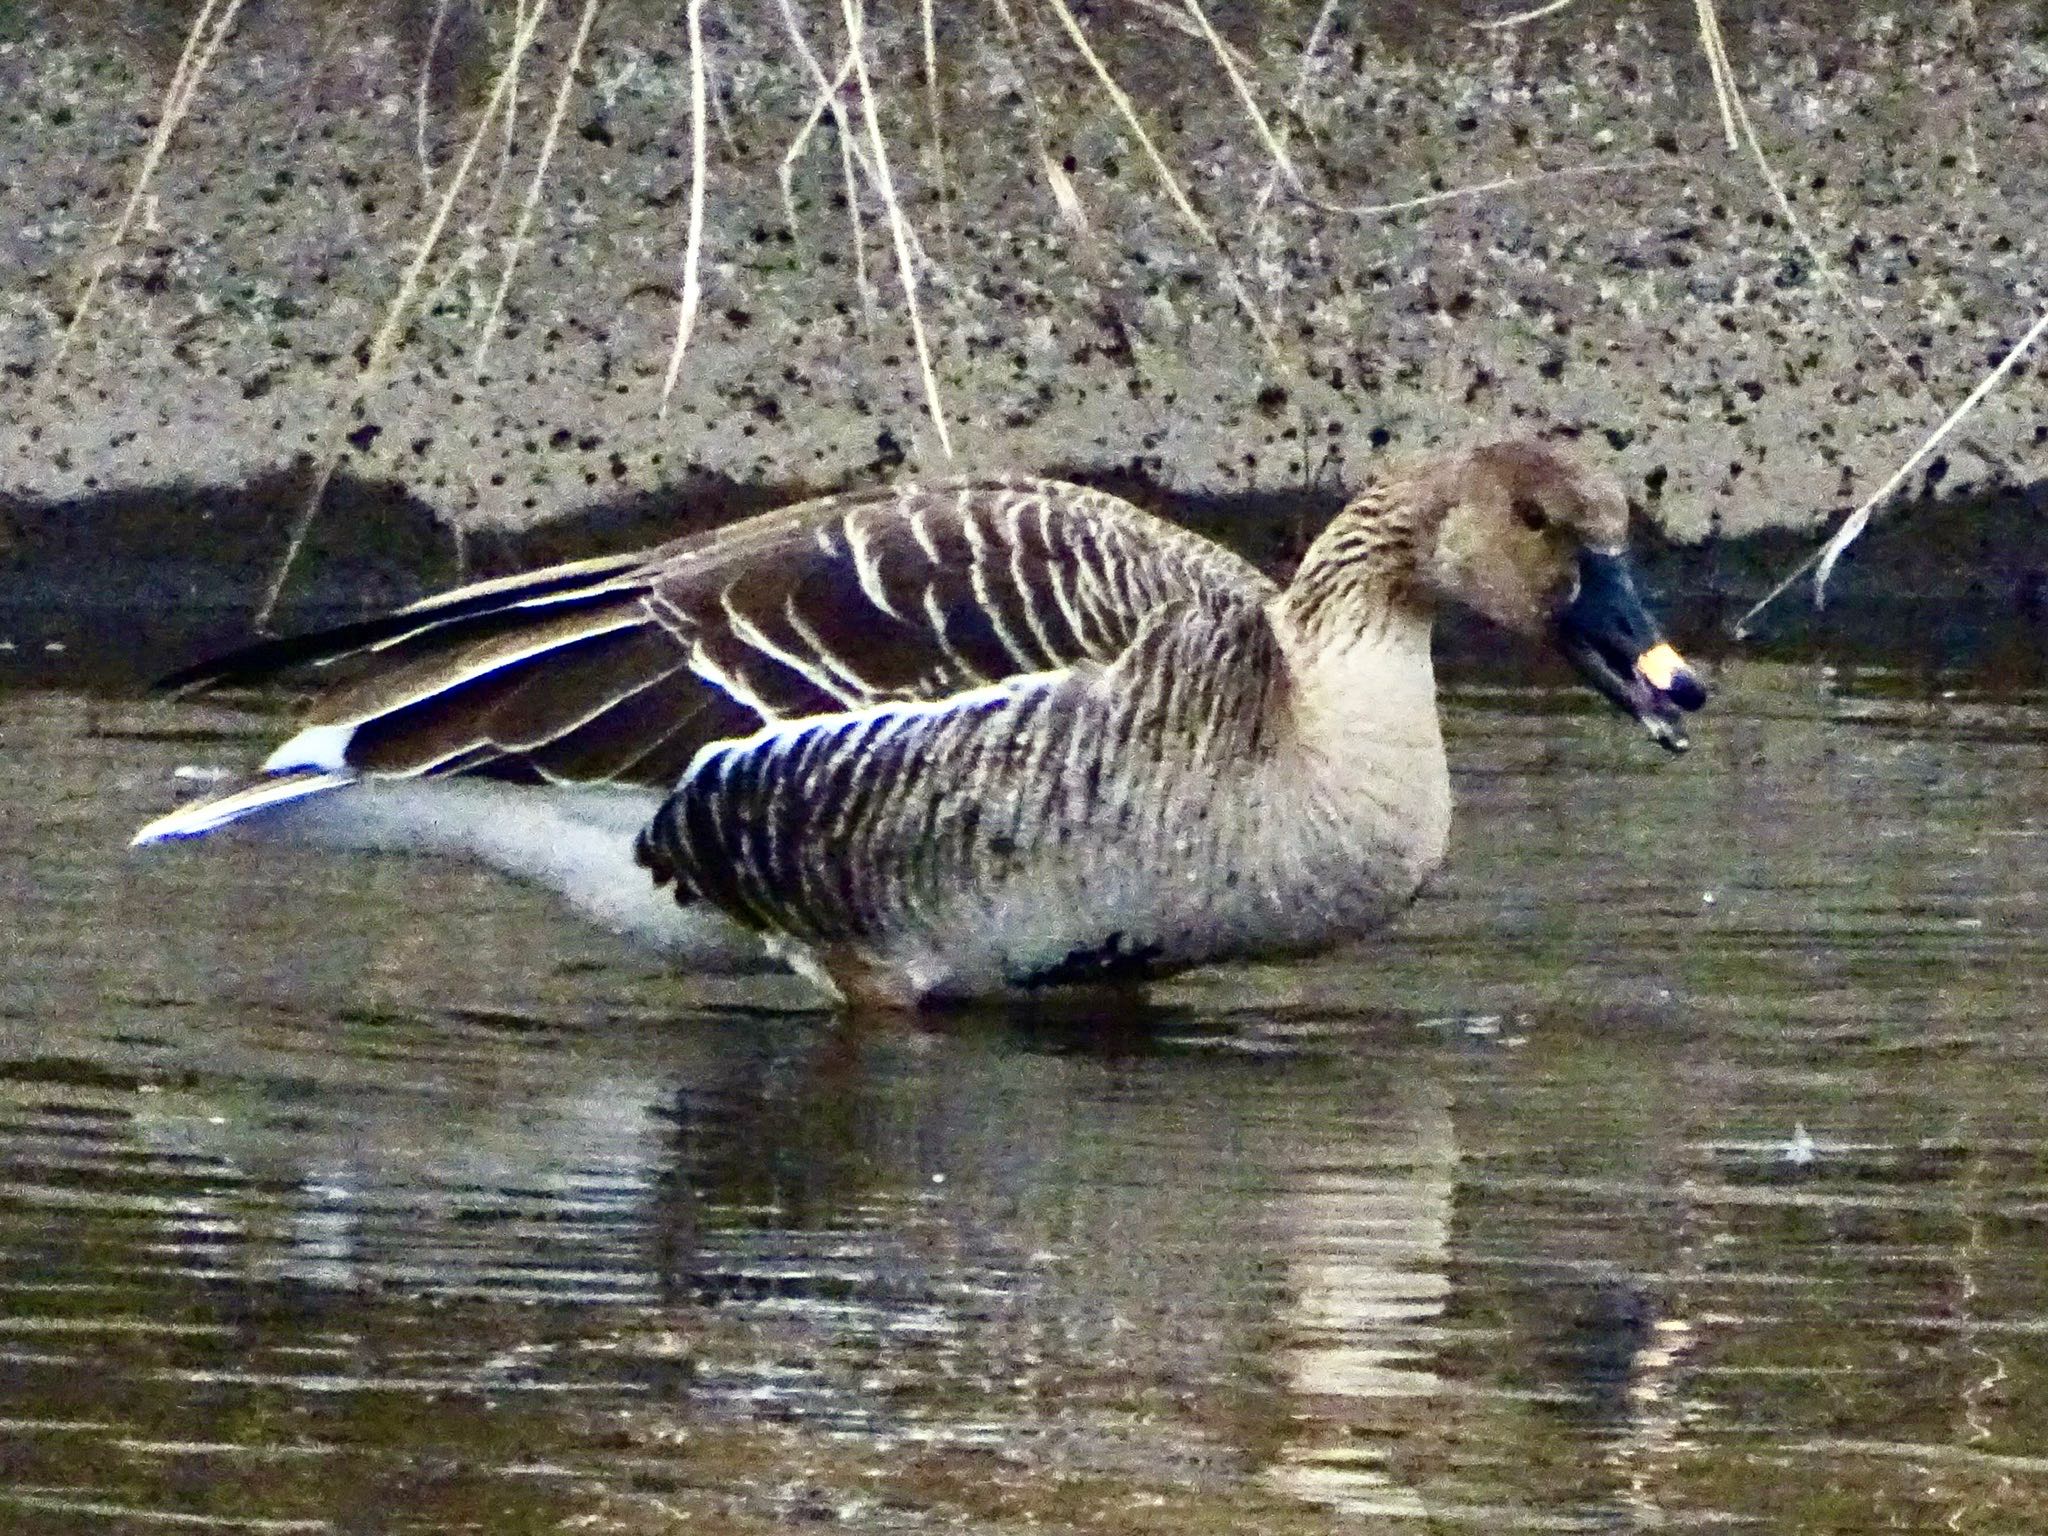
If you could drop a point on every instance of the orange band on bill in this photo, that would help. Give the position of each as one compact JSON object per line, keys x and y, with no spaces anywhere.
{"x":1660,"y":664}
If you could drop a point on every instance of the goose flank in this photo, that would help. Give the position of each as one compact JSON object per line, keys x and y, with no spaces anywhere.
{"x":946,"y":742}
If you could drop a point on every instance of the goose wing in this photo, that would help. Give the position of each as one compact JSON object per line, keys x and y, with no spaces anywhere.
{"x":620,"y":670}
{"x":867,"y":823}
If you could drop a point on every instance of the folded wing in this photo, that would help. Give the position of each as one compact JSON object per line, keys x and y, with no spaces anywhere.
{"x":621,"y":670}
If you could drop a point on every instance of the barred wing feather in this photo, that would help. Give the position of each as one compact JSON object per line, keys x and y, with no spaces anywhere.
{"x":621,"y":670}
{"x":897,"y":818}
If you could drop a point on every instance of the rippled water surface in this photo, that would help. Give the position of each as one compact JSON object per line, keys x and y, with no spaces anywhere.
{"x":1683,"y":1163}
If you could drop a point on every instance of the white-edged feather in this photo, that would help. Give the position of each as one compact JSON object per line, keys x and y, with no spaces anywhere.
{"x":319,"y":747}
{"x":267,"y":793}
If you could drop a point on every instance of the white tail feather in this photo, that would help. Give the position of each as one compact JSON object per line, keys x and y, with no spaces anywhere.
{"x":210,"y":815}
{"x":577,"y":842}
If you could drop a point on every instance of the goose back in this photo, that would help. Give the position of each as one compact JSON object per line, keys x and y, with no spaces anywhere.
{"x":622,"y":670}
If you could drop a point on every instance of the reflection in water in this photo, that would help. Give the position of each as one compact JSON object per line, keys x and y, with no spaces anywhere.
{"x":1677,"y":1164}
{"x":1366,"y":1244}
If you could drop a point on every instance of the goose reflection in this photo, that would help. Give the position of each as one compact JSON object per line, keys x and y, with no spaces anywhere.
{"x":1229,"y":1245}
{"x":1364,"y":1221}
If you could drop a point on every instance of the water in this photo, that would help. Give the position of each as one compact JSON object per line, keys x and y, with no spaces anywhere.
{"x":1683,"y":1163}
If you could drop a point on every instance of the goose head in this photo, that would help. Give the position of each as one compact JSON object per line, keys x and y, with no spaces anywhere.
{"x":1537,"y":541}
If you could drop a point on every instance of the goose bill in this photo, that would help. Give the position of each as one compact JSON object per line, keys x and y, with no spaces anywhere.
{"x":1610,"y":637}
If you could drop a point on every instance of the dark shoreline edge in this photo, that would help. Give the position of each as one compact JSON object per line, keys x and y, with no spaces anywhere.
{"x":109,"y":591}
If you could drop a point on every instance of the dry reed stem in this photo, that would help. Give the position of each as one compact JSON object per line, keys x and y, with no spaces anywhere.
{"x":693,"y":244}
{"x":385,"y":341}
{"x":785,"y":175}
{"x":1242,"y":87}
{"x":509,"y":116}
{"x":1725,"y":96}
{"x":1739,"y":130}
{"x":1822,"y":563}
{"x":932,"y":111}
{"x":721,"y":123}
{"x":1970,"y":160}
{"x":1500,"y":184}
{"x":419,"y":105}
{"x":1296,"y":95}
{"x":1146,"y":359}
{"x":193,"y":62}
{"x":182,"y":71}
{"x":1176,"y":17}
{"x":1168,"y":180}
{"x":827,"y":101}
{"x":329,"y":28}
{"x":899,"y":227}
{"x":1284,"y":166}
{"x":1521,"y":18}
{"x":516,"y":245}
{"x":849,"y":153}
{"x":1066,"y":198}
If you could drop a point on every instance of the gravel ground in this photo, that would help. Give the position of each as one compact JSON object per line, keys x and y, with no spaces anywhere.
{"x":1667,"y":313}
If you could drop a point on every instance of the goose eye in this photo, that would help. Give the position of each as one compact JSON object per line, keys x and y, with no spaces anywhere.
{"x":1531,"y":514}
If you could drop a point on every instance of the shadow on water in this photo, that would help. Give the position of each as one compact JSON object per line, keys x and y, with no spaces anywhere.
{"x":1678,"y":1162}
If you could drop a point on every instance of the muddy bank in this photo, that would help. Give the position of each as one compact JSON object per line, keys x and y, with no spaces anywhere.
{"x":116,"y":589}
{"x":1745,"y":374}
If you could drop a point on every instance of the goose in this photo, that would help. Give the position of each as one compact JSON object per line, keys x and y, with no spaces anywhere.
{"x":975,"y":740}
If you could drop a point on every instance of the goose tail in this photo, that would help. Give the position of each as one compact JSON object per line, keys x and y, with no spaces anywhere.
{"x":268,"y":792}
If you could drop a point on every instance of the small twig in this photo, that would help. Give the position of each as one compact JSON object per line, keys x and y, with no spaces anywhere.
{"x":849,"y":154}
{"x":932,"y":110}
{"x":899,"y":227}
{"x":319,"y":58}
{"x":419,"y":105}
{"x":1296,"y":94}
{"x":197,"y":56}
{"x":1822,"y":563}
{"x":827,"y":101}
{"x":516,"y":246}
{"x":721,"y":118}
{"x":1065,"y":197}
{"x":1970,"y":159}
{"x":1175,"y":16}
{"x":693,"y":246}
{"x":1499,"y":184}
{"x":1167,"y":179}
{"x":1521,"y":18}
{"x":1245,"y":97}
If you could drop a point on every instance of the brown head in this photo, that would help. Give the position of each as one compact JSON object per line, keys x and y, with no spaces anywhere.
{"x":1533,"y":538}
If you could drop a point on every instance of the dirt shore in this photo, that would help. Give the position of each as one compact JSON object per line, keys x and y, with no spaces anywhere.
{"x":1665,"y":314}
